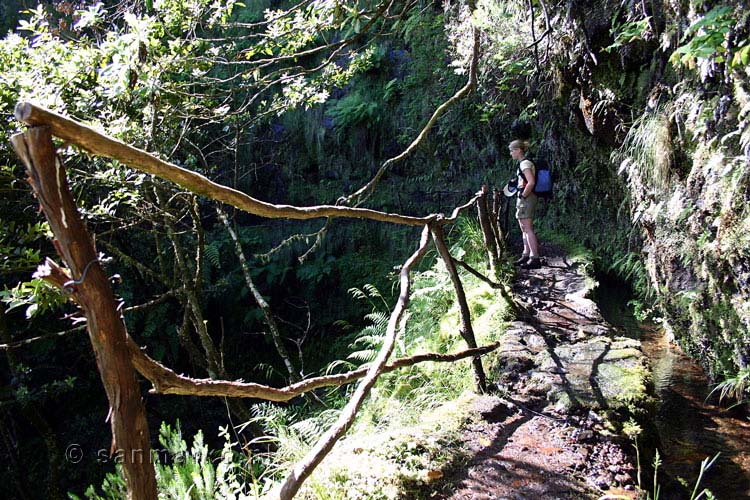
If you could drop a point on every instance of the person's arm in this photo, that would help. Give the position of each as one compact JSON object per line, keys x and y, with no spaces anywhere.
{"x":530,"y":182}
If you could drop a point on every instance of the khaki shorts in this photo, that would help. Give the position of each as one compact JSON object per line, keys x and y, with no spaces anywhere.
{"x":525,"y":207}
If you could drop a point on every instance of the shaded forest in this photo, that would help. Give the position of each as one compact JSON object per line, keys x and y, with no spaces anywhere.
{"x":375,"y":117}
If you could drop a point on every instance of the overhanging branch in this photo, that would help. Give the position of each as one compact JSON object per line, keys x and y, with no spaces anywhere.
{"x":364,"y":192}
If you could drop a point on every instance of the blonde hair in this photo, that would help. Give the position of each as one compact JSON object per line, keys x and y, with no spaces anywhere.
{"x":518,"y":143}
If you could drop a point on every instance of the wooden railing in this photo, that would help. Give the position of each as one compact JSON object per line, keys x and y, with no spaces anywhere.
{"x":119,"y":357}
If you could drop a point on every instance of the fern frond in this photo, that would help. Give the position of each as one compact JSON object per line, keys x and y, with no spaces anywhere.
{"x":736,"y":387}
{"x":338,"y":363}
{"x":213,"y":255}
{"x":368,"y":340}
{"x":357,"y":293}
{"x":371,"y":290}
{"x":365,"y":356}
{"x":378,"y":317}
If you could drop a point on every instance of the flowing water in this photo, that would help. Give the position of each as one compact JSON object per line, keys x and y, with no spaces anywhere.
{"x":690,"y":428}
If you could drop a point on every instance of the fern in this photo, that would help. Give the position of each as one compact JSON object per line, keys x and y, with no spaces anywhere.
{"x":630,"y":266}
{"x":310,"y":429}
{"x":339,"y":363}
{"x":357,"y":293}
{"x":354,"y":109}
{"x":647,"y":152}
{"x":213,"y":255}
{"x":736,"y":387}
{"x":370,"y":293}
{"x":196,"y":474}
{"x":370,"y":337}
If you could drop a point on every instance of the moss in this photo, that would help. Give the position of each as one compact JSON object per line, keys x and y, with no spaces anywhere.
{"x":395,"y":463}
{"x":489,"y":312}
{"x":574,"y":249}
{"x":622,"y":354}
{"x":623,"y":386}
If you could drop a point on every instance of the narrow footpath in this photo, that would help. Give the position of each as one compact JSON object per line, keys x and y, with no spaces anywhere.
{"x":567,"y":379}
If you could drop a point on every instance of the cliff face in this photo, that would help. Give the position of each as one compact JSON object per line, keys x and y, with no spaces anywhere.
{"x":646,"y":114}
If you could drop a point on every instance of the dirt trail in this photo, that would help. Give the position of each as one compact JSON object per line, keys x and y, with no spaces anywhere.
{"x":563,"y":370}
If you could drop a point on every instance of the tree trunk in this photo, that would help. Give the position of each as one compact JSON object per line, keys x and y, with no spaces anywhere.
{"x":92,"y":291}
{"x":273,"y":327}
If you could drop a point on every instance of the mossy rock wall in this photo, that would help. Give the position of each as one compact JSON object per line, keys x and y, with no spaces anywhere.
{"x":652,"y":157}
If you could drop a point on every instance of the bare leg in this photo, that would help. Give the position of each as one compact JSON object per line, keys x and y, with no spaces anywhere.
{"x":526,"y":248}
{"x":529,"y":237}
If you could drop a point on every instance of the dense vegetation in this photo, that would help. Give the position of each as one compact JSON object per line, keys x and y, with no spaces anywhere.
{"x":641,"y":109}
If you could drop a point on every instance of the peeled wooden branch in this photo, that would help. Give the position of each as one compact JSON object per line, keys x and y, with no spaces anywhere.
{"x":165,"y":381}
{"x":496,"y":209}
{"x":503,"y":288}
{"x":90,"y":288}
{"x":304,"y":468}
{"x":476,"y":273}
{"x":490,"y":243}
{"x":457,"y":211}
{"x":99,"y":144}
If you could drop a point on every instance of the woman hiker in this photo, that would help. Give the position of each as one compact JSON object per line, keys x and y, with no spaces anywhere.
{"x":525,"y":205}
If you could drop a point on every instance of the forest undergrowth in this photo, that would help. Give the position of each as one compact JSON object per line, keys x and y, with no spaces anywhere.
{"x":404,"y":437}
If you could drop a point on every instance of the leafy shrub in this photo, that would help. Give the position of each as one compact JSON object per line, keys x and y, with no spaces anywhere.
{"x":193,"y":473}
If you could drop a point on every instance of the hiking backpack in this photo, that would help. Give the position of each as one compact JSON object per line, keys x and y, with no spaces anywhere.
{"x":543,"y":185}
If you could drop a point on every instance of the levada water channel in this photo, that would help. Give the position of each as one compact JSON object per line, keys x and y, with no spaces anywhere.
{"x":691,"y":426}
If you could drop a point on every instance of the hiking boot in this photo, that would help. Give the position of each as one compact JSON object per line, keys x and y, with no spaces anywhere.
{"x":521,"y":260}
{"x":532,"y":263}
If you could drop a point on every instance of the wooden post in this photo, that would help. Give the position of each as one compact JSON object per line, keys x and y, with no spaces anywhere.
{"x":90,"y":288}
{"x":497,"y":202}
{"x":467,"y":332}
{"x":490,"y":242}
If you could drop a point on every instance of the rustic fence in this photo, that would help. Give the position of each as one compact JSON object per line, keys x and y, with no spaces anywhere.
{"x":119,"y":357}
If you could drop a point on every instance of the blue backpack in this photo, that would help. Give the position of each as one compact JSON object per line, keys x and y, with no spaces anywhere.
{"x":543,"y":185}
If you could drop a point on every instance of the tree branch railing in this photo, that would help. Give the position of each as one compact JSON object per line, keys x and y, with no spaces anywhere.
{"x":119,"y":356}
{"x":304,"y":467}
{"x":99,"y":144}
{"x":466,"y":330}
{"x":92,"y":291}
